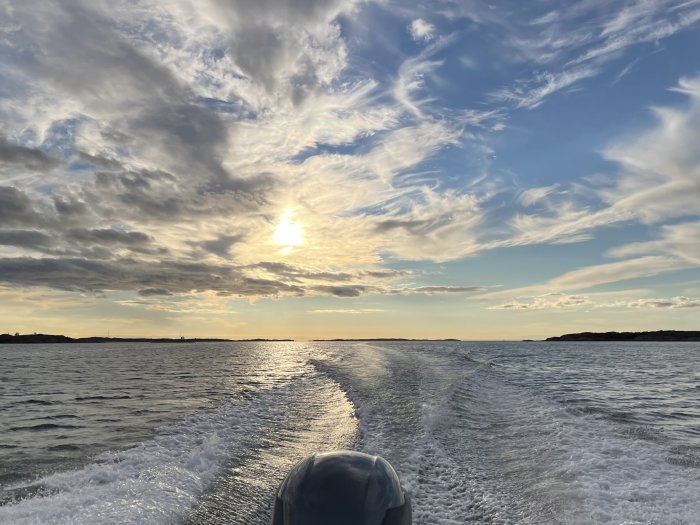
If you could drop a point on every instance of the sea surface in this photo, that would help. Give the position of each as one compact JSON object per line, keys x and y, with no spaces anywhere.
{"x":489,"y":432}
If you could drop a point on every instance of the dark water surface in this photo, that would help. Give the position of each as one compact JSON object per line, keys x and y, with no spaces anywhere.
{"x":479,"y":432}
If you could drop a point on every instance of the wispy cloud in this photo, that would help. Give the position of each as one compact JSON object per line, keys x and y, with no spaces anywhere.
{"x":556,"y":301}
{"x":349,"y":311}
{"x":532,"y":92}
{"x":679,"y":240}
{"x":661,"y":170}
{"x":576,"y":42}
{"x":595,"y":275}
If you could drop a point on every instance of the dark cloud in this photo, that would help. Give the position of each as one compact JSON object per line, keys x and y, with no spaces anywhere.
{"x":251,"y":191}
{"x":159,"y":196}
{"x":69,"y":207}
{"x":191,"y":135}
{"x":168,"y":277}
{"x":262,"y":65}
{"x":268,"y":46}
{"x":343,"y":291}
{"x":249,"y":286}
{"x":159,"y":116}
{"x":63,"y":274}
{"x":295,"y":273}
{"x":303,"y":82}
{"x":16,"y":208}
{"x":132,"y":180}
{"x":125,"y":274}
{"x":291,"y":11}
{"x":408,"y":225}
{"x":108,"y":236}
{"x":28,"y":158}
{"x":150,"y":292}
{"x":74,"y":43}
{"x":221,"y":246}
{"x":154,"y":206}
{"x":31,"y":239}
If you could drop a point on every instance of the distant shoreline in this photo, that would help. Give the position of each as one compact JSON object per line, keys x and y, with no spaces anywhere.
{"x":53,"y":339}
{"x":658,"y":335}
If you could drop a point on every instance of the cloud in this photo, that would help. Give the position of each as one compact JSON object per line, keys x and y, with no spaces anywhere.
{"x":642,"y":21}
{"x":626,"y":70}
{"x":108,"y":236}
{"x":657,"y":180}
{"x":532,"y":93}
{"x":168,"y":277}
{"x":616,"y":271}
{"x":349,"y":311}
{"x":679,"y":240}
{"x":532,"y":196}
{"x":16,"y":208}
{"x":300,"y":274}
{"x":288,"y":46}
{"x":675,"y":302}
{"x":478,"y":11}
{"x":201,"y":305}
{"x":552,"y":301}
{"x":660,"y":176}
{"x":413,"y":72}
{"x":31,"y":239}
{"x":152,"y":149}
{"x":27,"y":158}
{"x":343,"y":290}
{"x":150,"y":292}
{"x":438,"y":227}
{"x":70,"y":207}
{"x":221,"y":246}
{"x":596,"y":275}
{"x":160,"y":120}
{"x":575,"y":42}
{"x":421,"y":31}
{"x":128,"y":274}
{"x":558,"y":301}
{"x":429,"y":290}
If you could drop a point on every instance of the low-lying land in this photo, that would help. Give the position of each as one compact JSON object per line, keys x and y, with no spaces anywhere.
{"x":48,"y":338}
{"x":659,"y":335}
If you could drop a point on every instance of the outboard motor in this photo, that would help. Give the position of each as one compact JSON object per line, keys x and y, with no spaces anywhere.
{"x":342,"y":488}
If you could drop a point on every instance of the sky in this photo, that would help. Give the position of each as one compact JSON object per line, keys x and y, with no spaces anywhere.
{"x":347,"y":168}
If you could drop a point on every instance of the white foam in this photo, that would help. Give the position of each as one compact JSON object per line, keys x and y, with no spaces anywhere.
{"x":253,"y":441}
{"x":154,"y":482}
{"x":472,"y":448}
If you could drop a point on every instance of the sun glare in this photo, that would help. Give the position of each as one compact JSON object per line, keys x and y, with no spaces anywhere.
{"x":288,"y":232}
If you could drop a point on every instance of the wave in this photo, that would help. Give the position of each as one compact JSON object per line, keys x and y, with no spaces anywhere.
{"x":43,"y":426}
{"x":469,"y":443}
{"x":154,"y":482}
{"x":101,"y":398}
{"x":233,"y":455}
{"x":36,"y":402}
{"x":472,"y":447}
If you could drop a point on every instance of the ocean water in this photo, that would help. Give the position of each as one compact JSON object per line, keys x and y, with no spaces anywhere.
{"x":479,"y":432}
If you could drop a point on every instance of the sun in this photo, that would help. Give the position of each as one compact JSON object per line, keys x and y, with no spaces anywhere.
{"x":288,"y":232}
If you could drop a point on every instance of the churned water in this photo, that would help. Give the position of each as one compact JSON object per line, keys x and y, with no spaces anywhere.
{"x":479,"y":432}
